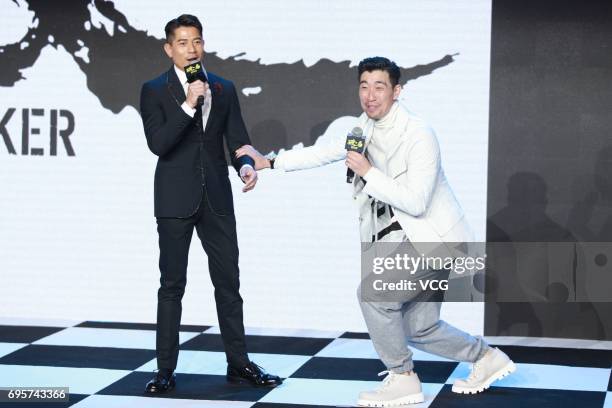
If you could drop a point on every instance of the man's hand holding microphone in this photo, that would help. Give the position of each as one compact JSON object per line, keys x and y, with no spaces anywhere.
{"x":198,"y":88}
{"x":356,"y":161}
{"x":195,"y":91}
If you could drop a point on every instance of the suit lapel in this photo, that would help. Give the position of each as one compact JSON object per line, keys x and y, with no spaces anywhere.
{"x":216,"y":91}
{"x":175,"y":87}
{"x":176,"y":90}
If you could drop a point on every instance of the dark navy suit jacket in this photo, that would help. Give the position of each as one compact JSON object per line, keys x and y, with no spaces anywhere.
{"x":191,"y":158}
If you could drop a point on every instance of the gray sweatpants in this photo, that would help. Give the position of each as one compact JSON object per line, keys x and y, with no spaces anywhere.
{"x":396,"y":326}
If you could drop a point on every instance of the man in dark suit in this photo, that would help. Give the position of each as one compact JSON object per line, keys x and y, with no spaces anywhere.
{"x":184,"y":125}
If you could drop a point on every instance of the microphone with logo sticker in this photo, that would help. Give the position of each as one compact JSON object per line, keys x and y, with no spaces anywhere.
{"x":195,"y":72}
{"x":355,"y":142}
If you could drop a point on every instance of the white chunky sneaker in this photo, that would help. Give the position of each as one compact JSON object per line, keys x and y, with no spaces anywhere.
{"x":493,"y":366}
{"x":396,"y":389}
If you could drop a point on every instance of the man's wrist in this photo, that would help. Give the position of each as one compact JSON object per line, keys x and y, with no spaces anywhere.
{"x":188,"y":109}
{"x":270,"y":159}
{"x":244,"y":168}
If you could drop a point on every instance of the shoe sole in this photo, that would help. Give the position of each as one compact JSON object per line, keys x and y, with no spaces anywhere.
{"x":498,"y":375}
{"x":242,"y":381}
{"x":409,"y":399}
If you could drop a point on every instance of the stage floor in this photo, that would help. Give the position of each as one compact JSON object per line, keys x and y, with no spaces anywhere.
{"x":108,"y":364}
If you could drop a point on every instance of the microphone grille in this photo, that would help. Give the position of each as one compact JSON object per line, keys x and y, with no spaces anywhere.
{"x":357,"y":132}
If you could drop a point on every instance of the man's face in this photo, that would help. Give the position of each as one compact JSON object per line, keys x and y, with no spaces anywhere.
{"x":376,"y":93}
{"x":186,"y":47}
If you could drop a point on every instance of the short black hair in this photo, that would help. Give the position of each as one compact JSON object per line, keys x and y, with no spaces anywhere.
{"x":184,"y":20}
{"x":380,"y":63}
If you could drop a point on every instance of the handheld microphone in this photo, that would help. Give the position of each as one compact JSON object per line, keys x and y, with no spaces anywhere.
{"x":355,"y":142}
{"x":195,"y":72}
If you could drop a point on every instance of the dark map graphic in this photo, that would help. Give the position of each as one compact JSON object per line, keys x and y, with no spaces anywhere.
{"x":296,"y":102}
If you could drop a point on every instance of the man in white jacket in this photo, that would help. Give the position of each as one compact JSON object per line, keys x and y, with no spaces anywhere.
{"x":403,"y":196}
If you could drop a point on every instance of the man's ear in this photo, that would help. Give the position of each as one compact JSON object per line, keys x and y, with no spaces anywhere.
{"x":397,"y":89}
{"x":168,"y":49}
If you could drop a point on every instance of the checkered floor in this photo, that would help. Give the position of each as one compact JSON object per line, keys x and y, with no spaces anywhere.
{"x":107,"y":365}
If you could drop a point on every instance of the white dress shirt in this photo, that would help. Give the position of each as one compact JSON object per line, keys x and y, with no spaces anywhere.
{"x":182,"y":76}
{"x":207,"y":99}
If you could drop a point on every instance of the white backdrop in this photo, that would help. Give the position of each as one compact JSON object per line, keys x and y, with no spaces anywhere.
{"x":77,"y":234}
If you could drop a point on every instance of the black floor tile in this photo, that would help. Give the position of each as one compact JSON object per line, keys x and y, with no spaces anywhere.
{"x":364,"y":369}
{"x":505,"y":397}
{"x":434,"y":371}
{"x":138,"y":326}
{"x":355,"y":335}
{"x":26,"y":334}
{"x":76,"y":356}
{"x":261,"y":344}
{"x":559,"y":356}
{"x":331,"y":368}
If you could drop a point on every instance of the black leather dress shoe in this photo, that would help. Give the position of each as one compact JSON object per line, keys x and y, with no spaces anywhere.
{"x":252,"y":374}
{"x":163,"y":381}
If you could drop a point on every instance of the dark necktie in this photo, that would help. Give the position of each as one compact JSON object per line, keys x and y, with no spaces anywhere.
{"x":198,"y":115}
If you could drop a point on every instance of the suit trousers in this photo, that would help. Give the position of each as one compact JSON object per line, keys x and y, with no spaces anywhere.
{"x":217,"y":234}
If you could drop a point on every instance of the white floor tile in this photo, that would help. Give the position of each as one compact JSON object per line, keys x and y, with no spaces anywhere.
{"x":259,"y":331}
{"x":547,"y":376}
{"x":214,"y":363}
{"x":96,"y":337}
{"x":79,"y":380}
{"x":332,"y":392}
{"x":608,"y":401}
{"x":282,"y":365}
{"x":430,"y":391}
{"x":549,"y":342}
{"x":111,"y":401}
{"x":363,"y":348}
{"x":318,"y":392}
{"x":349,"y":348}
{"x":8,"y":348}
{"x":26,"y":321}
{"x":423,"y":356}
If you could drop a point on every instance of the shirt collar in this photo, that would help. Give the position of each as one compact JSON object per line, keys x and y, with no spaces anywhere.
{"x":182,"y":76}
